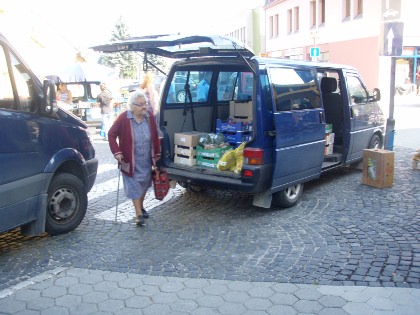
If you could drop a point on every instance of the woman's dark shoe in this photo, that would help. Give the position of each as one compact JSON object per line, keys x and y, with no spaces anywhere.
{"x":145,"y":214}
{"x":140,"y":220}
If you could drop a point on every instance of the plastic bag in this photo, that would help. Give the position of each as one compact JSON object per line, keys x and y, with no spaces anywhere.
{"x":227,"y":162}
{"x":219,"y":139}
{"x":239,"y":155}
{"x":204,"y":140}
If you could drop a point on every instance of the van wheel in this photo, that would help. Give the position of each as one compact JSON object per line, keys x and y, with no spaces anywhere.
{"x":67,"y":204}
{"x":375,"y":142}
{"x":289,"y":197}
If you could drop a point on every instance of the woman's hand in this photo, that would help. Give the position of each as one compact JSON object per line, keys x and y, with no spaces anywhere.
{"x":119,"y":157}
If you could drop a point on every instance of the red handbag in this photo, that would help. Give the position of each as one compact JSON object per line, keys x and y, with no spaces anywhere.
{"x":160,"y":183}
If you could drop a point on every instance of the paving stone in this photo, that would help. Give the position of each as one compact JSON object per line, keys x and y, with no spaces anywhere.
{"x":236,"y":297}
{"x":356,"y":308}
{"x":332,"y":301}
{"x":282,"y":309}
{"x":309,"y":307}
{"x":284,"y":298}
{"x":95,"y":297}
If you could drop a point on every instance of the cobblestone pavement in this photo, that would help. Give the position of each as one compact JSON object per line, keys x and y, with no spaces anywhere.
{"x":343,"y":239}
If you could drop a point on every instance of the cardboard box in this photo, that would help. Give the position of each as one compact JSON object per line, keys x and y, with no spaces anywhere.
{"x":329,"y":149}
{"x":329,"y":138}
{"x":187,"y":139}
{"x":188,"y":151}
{"x":378,"y":168}
{"x":214,"y":153}
{"x":240,"y":109}
{"x":185,"y":160}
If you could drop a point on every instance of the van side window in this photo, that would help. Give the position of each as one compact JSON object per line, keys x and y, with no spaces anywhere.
{"x":6,"y":90}
{"x":357,"y":92}
{"x":294,"y":89}
{"x":23,"y":86}
{"x":177,"y":88}
{"x":238,"y":86}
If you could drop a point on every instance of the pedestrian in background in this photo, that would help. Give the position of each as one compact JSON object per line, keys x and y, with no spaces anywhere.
{"x":203,"y":87}
{"x":63,"y":94}
{"x":151,"y":93}
{"x":105,"y":102}
{"x":418,"y":80}
{"x":138,"y":145}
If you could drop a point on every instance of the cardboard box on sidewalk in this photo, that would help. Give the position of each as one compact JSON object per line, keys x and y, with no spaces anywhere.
{"x":378,"y":168}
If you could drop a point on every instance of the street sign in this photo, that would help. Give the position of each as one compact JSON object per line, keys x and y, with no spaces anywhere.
{"x":315,"y":52}
{"x":391,"y":39}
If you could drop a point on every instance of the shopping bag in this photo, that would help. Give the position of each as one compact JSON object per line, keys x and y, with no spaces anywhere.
{"x":160,"y":183}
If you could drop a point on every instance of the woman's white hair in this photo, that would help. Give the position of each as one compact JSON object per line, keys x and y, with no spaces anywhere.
{"x":135,"y":95}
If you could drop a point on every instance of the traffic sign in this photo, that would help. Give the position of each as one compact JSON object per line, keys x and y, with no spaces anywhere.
{"x":391,"y":39}
{"x":315,"y":52}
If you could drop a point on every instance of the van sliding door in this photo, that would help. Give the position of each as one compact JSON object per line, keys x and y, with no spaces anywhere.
{"x":300,"y":130}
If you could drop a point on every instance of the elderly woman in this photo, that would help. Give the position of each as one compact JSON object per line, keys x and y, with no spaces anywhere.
{"x":138,"y":143}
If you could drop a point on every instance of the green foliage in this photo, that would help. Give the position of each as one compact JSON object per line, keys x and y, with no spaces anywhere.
{"x":129,"y":63}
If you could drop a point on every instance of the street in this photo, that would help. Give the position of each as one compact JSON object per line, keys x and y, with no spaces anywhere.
{"x":342,"y":233}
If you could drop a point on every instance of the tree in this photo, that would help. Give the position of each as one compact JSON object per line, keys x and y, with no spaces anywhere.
{"x":130,"y":63}
{"x":127,"y":61}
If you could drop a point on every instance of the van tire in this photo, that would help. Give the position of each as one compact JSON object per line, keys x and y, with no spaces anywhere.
{"x":66,"y":205}
{"x":375,"y":142}
{"x":289,"y":197}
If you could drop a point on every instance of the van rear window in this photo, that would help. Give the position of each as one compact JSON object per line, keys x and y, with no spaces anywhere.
{"x":295,"y":89}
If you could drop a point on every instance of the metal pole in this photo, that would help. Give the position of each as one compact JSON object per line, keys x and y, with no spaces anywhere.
{"x":390,"y":122}
{"x":118,"y":192}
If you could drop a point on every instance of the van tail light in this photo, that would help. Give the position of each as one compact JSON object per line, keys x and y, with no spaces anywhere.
{"x":253,"y":156}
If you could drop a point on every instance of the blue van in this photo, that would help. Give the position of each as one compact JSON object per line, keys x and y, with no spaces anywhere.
{"x":47,"y":161}
{"x":301,"y":118}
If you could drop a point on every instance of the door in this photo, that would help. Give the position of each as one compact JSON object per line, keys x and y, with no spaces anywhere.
{"x":299,"y":126}
{"x":362,"y":117}
{"x":21,"y":158}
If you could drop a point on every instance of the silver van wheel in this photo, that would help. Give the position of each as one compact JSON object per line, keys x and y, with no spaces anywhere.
{"x":289,"y":197}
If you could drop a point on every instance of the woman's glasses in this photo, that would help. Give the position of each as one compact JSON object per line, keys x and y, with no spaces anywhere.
{"x":141,"y":104}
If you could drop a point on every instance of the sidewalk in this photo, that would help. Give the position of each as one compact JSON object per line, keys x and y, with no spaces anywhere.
{"x":85,"y":291}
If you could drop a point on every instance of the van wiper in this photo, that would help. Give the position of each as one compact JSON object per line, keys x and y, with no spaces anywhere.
{"x":188,"y":96}
{"x":244,"y":59}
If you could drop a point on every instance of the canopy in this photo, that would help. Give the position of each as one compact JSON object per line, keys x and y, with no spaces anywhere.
{"x":85,"y":71}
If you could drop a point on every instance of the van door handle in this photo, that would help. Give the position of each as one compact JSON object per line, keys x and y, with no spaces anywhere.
{"x":320,"y":117}
{"x":271,"y":133}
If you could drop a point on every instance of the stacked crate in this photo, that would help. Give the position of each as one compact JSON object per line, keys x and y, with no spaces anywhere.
{"x":238,"y":128}
{"x":209,"y":158}
{"x":329,"y":140}
{"x":234,"y":132}
{"x":186,"y":147}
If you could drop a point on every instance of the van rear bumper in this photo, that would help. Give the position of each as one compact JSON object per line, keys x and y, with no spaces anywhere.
{"x":261,"y":180}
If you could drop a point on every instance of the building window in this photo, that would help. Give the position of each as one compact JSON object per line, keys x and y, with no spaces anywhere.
{"x":270,"y":27}
{"x":312,"y":14}
{"x":276,"y":25}
{"x":296,"y":19}
{"x":346,"y":7}
{"x":321,"y":8}
{"x":358,"y":7}
{"x":289,"y":21}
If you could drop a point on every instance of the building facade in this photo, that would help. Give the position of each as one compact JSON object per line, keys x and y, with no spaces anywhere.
{"x":349,"y":32}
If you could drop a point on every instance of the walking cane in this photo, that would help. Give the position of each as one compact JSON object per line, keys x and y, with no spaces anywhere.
{"x":118,"y":192}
